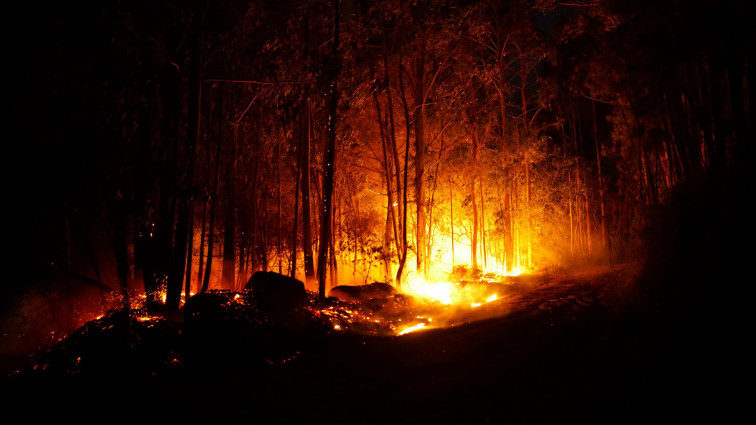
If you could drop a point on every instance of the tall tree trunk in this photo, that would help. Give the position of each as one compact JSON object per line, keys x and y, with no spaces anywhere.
{"x":214,"y":197}
{"x":329,"y":159}
{"x":472,"y":114}
{"x":229,"y":228}
{"x":296,"y":213}
{"x":474,"y":238}
{"x":451,"y":219}
{"x":483,"y":224}
{"x":201,"y":266}
{"x":508,"y":220}
{"x":306,"y":215}
{"x":600,"y":177}
{"x":419,"y":115}
{"x":194,"y":101}
{"x":399,"y":225}
{"x":262,"y":226}
{"x":407,"y":126}
{"x":333,"y":267}
{"x":572,"y":220}
{"x":390,"y":212}
{"x":278,"y":195}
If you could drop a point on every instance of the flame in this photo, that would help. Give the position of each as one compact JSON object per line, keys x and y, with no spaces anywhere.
{"x":412,"y":328}
{"x":442,"y":292}
{"x":147,"y":318}
{"x":454,"y":293}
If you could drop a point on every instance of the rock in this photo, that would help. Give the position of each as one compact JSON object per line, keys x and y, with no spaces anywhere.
{"x":277,"y":293}
{"x":362,"y":293}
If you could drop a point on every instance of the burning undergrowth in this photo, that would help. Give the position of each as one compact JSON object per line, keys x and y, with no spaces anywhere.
{"x":123,"y":343}
{"x":420,"y":304}
{"x":270,"y":324}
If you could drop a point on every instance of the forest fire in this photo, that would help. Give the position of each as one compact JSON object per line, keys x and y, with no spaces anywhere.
{"x":418,"y":305}
{"x":412,"y":205}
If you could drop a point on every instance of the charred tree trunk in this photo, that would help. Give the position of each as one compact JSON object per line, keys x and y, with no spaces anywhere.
{"x":229,"y":225}
{"x":201,"y":266}
{"x":306,"y":215}
{"x":390,"y":215}
{"x":328,"y":162}
{"x":451,"y":219}
{"x":279,"y":245}
{"x":332,"y":246}
{"x":403,"y":257}
{"x":419,"y":115}
{"x":214,"y":196}
{"x":473,"y":195}
{"x":483,"y":224}
{"x":600,"y":177}
{"x":398,"y":225}
{"x":295,"y":230}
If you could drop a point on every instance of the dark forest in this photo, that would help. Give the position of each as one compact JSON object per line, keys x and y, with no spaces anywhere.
{"x":395,"y":211}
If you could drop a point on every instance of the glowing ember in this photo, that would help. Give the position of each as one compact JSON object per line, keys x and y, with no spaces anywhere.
{"x":147,"y":318}
{"x":412,"y":328}
{"x":491,"y":298}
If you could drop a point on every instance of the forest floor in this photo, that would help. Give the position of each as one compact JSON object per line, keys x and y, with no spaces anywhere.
{"x":571,"y":348}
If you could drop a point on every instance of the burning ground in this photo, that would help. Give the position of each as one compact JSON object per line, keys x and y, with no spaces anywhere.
{"x":568,"y":347}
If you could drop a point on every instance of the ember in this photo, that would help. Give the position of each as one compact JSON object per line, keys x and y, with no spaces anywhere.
{"x":412,"y":328}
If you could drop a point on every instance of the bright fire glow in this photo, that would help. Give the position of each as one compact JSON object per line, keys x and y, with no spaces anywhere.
{"x":412,"y":328}
{"x":454,"y":293}
{"x":147,"y":318}
{"x":438,"y":291}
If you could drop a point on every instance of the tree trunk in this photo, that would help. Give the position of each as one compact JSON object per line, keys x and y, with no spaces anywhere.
{"x":328,"y":162}
{"x":483,"y":224}
{"x":332,"y":246}
{"x":403,"y":257}
{"x":229,"y":228}
{"x":214,"y":196}
{"x":278,"y":193}
{"x":390,"y":212}
{"x":398,"y":225}
{"x":600,"y":177}
{"x":296,"y":213}
{"x":419,"y":115}
{"x":306,"y":215}
{"x":201,"y":267}
{"x":474,"y":238}
{"x":451,"y":220}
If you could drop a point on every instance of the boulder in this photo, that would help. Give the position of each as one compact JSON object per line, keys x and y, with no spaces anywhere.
{"x":277,"y":293}
{"x":362,"y":293}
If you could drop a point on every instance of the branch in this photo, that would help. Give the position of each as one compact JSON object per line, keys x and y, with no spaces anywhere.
{"x":603,"y":101}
